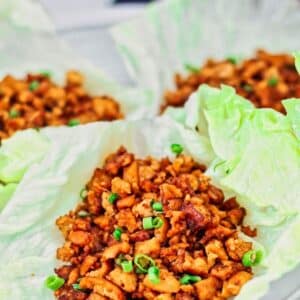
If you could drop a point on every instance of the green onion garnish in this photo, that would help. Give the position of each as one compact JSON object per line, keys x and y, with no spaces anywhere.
{"x":157,"y":222}
{"x":73,"y":122}
{"x":232,"y":59}
{"x":117,"y":234}
{"x":252,"y":258}
{"x":248,"y":88}
{"x":143,"y":263}
{"x":13,"y":113}
{"x":153,"y":274}
{"x":189,"y":279}
{"x":272,"y":81}
{"x":147,"y":223}
{"x":151,"y":223}
{"x":127,"y":266}
{"x":83,"y":193}
{"x":54,"y":282}
{"x":34,"y":85}
{"x":112,"y":198}
{"x":46,"y":73}
{"x":176,"y":148}
{"x":76,"y":286}
{"x":157,"y":206}
{"x":191,"y":68}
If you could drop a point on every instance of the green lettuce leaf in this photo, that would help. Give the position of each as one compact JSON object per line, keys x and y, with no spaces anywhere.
{"x":292,"y":106}
{"x":257,"y":157}
{"x":51,"y":188}
{"x":17,"y":155}
{"x":6,"y":191}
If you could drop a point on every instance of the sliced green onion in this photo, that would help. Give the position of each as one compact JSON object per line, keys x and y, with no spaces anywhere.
{"x":83,"y":193}
{"x":34,"y":85}
{"x":189,"y":279}
{"x":127,"y":266}
{"x":13,"y":113}
{"x":83,"y":214}
{"x":76,"y":286}
{"x":252,"y":258}
{"x":143,"y":262}
{"x":112,"y":198}
{"x":192,"y":68}
{"x":46,"y":73}
{"x":157,"y":222}
{"x":153,"y":274}
{"x":176,"y":148}
{"x":117,"y":234}
{"x":150,"y":222}
{"x":248,"y":88}
{"x":147,"y":223}
{"x":272,"y":81}
{"x":157,"y":206}
{"x":232,"y":59}
{"x":54,"y":282}
{"x":73,"y":122}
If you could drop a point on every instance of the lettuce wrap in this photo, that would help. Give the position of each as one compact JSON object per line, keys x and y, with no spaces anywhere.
{"x":257,"y":156}
{"x":175,"y":33}
{"x":29,"y":44}
{"x":246,"y":154}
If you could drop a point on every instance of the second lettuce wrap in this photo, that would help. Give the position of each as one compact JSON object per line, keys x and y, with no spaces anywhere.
{"x":30,"y":44}
{"x":174,"y":33}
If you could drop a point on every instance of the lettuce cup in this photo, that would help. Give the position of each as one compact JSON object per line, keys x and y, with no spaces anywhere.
{"x":217,"y":128}
{"x":39,"y":86}
{"x":179,"y":37}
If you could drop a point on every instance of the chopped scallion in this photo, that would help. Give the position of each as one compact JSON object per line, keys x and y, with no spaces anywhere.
{"x":127,"y":266}
{"x":112,"y":198}
{"x":176,"y":148}
{"x":117,"y":234}
{"x":189,"y":279}
{"x":157,"y":206}
{"x":46,"y":73}
{"x":232,"y":59}
{"x":83,"y":193}
{"x":153,"y":274}
{"x":34,"y":85}
{"x":252,"y":258}
{"x":151,"y":223}
{"x":73,"y":122}
{"x":143,"y":263}
{"x":272,"y":81}
{"x":54,"y":282}
{"x":13,"y":113}
{"x":192,"y":68}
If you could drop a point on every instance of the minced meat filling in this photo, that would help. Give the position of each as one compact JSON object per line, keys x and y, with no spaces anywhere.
{"x":265,"y":79}
{"x":36,"y":101}
{"x":163,"y":215}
